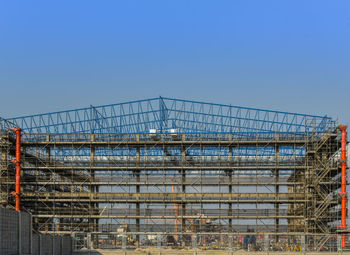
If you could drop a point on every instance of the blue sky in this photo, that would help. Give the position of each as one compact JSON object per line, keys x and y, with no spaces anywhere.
{"x":282,"y":55}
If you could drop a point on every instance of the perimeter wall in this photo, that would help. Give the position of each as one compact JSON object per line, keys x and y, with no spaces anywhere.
{"x":17,"y":237}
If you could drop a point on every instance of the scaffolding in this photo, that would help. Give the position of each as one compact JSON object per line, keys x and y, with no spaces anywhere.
{"x":178,"y":167}
{"x":7,"y":171}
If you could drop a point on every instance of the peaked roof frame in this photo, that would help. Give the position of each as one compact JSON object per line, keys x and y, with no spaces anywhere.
{"x":165,"y":114}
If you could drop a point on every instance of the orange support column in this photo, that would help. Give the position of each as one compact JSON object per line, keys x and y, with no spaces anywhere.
{"x":343,"y":183}
{"x":17,"y":161}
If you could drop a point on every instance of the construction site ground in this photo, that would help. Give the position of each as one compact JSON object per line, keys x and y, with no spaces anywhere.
{"x":197,"y":252}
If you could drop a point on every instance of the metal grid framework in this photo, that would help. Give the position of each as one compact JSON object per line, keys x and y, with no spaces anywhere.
{"x":166,"y":165}
{"x":7,"y":171}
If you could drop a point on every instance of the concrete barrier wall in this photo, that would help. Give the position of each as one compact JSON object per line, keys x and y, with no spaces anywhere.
{"x":35,"y":244}
{"x":16,"y":237}
{"x":9,"y":229}
{"x":46,"y":245}
{"x":57,"y":245}
{"x":25,"y":230}
{"x":67,"y":245}
{"x":53,"y":245}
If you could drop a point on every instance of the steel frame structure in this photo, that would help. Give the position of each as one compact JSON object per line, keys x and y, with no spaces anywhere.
{"x":166,"y":165}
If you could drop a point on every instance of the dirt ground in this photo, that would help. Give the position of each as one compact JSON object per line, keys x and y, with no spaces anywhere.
{"x":198,"y":252}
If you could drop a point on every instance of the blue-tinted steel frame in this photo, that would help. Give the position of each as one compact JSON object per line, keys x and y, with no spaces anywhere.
{"x":164,"y":114}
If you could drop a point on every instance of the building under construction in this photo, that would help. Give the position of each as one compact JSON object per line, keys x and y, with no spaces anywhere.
{"x":178,"y":167}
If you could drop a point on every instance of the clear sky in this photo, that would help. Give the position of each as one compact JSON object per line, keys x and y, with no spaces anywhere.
{"x":283,"y":55}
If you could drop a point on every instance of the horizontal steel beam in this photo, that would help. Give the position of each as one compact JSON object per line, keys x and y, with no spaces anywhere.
{"x":78,"y":201}
{"x":160,"y":183}
{"x":162,"y":143}
{"x":184,"y":167}
{"x":79,"y":216}
{"x":271,"y":233}
{"x":174,"y":196}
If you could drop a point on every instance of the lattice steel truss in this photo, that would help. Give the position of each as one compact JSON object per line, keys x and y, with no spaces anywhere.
{"x":176,"y":166}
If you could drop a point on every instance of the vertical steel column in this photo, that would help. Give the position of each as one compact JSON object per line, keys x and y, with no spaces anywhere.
{"x":277,"y":187}
{"x":138,"y":189}
{"x":93,"y":223}
{"x":49,"y":223}
{"x":183,"y":186}
{"x":18,"y":168}
{"x":343,"y":183}
{"x":230,"y":154}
